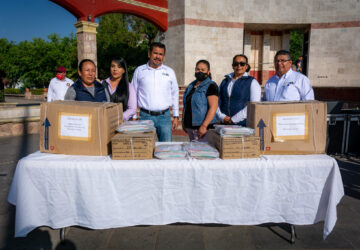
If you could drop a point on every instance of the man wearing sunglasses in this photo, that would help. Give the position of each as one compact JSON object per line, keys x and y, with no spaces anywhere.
{"x":235,"y":91}
{"x":286,"y":84}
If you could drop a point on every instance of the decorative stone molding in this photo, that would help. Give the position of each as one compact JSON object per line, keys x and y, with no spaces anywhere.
{"x":84,"y":26}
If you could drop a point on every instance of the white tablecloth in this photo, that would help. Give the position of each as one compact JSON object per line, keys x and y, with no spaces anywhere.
{"x":98,"y":193}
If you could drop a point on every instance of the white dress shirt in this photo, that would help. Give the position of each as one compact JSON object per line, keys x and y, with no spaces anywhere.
{"x":57,"y":89}
{"x":156,"y":89}
{"x":255,"y":96}
{"x":292,"y":86}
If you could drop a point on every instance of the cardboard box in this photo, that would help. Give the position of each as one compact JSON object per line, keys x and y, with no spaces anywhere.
{"x":78,"y":128}
{"x":133,"y":146}
{"x":289,"y":127}
{"x":235,"y":147}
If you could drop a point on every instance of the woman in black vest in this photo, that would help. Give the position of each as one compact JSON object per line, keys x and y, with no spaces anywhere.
{"x":86,"y":88}
{"x":235,"y":91}
{"x":119,"y":89}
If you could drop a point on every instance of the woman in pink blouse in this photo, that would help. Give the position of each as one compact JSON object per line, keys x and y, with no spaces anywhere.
{"x":119,"y":88}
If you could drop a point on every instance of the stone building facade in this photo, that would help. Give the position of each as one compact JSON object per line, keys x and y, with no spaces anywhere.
{"x":217,"y":30}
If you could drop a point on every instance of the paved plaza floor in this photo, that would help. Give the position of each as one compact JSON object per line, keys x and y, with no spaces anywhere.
{"x":180,"y":236}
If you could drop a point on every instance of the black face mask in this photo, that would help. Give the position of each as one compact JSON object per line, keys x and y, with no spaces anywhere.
{"x":200,"y":76}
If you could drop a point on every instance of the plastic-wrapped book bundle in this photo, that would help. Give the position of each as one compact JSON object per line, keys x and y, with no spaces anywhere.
{"x":139,"y":126}
{"x":195,"y":150}
{"x":170,"y":151}
{"x":233,"y":130}
{"x":201,"y":151}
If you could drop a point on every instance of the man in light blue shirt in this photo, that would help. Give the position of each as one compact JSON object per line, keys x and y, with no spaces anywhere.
{"x":286,"y":84}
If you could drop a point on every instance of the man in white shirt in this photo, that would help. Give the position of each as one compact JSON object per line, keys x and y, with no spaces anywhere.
{"x":287,"y":85}
{"x":157,"y":89}
{"x":59,"y":85}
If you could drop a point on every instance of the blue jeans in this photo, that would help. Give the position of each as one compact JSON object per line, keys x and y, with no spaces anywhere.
{"x":162,"y":124}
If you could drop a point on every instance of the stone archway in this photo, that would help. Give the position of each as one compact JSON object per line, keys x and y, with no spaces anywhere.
{"x":154,"y":11}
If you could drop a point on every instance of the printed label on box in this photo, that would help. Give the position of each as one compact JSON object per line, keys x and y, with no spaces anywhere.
{"x":290,"y":126}
{"x":75,"y":126}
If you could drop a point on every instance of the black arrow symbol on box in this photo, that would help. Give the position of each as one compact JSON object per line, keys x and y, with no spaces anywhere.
{"x":261,"y":125}
{"x":46,"y":125}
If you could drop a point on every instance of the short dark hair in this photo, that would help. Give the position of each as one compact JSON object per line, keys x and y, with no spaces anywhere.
{"x":81,"y":64}
{"x":158,"y":45}
{"x":247,"y":60}
{"x":281,"y":53}
{"x":206,"y":62}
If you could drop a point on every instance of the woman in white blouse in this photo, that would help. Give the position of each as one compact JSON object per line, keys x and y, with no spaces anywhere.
{"x":235,"y":91}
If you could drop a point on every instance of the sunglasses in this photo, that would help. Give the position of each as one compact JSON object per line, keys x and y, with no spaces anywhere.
{"x":242,"y":64}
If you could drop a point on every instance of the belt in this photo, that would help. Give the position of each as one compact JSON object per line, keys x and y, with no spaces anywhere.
{"x":154,"y":112}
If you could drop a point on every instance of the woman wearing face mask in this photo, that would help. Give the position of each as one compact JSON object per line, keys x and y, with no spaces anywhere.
{"x":119,"y":89}
{"x":86,"y":88}
{"x":200,"y":103}
{"x":235,"y":91}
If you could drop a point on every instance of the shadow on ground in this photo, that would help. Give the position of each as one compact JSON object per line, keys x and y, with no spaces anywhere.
{"x":350,"y":172}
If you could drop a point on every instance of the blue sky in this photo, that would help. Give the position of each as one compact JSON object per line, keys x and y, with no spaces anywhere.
{"x":26,"y":19}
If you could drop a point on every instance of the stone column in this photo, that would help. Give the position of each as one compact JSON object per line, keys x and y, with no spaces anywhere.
{"x":266,"y":57}
{"x":86,"y":40}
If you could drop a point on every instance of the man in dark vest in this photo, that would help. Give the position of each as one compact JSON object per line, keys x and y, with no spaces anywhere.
{"x":86,"y":88}
{"x":235,"y":91}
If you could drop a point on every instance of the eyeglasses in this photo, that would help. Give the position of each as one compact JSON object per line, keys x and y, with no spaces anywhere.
{"x":242,"y":64}
{"x":282,"y":61}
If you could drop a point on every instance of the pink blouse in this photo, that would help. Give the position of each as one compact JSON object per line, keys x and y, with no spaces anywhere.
{"x":132,"y":102}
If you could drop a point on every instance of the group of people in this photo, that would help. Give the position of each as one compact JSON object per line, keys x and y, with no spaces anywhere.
{"x":205,"y":103}
{"x":154,"y":89}
{"x":115,"y":88}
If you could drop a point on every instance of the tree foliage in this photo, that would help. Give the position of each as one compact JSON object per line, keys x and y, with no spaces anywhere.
{"x":122,"y":35}
{"x":34,"y":62}
{"x":296,"y":43}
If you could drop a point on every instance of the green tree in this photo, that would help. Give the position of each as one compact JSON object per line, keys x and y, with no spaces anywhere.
{"x":7,"y":50}
{"x":34,"y":62}
{"x":296,"y":43}
{"x":122,"y":35}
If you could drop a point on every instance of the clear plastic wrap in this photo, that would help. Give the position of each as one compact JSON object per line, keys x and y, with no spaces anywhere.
{"x":170,"y":152}
{"x":139,"y":126}
{"x":233,"y":130}
{"x":201,"y":151}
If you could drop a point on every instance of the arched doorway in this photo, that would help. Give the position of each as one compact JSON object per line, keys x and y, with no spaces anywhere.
{"x":154,"y":11}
